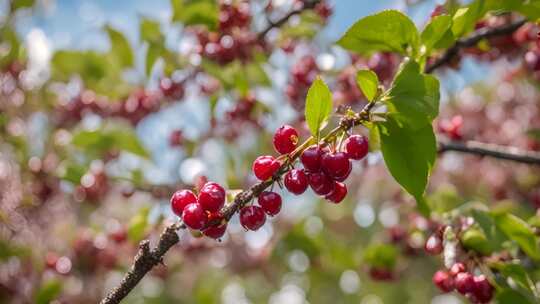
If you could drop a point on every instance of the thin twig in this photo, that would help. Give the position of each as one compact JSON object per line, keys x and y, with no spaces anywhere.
{"x":308,"y":4}
{"x":491,"y":150}
{"x":472,"y":40}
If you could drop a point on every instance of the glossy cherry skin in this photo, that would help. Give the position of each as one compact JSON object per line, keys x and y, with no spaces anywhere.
{"x":443,"y":280}
{"x":285,"y":139}
{"x":296,"y":181}
{"x":311,"y":159}
{"x":270,"y":202}
{"x":483,"y":291}
{"x":180,"y":199}
{"x":338,"y":194}
{"x":336,"y":165}
{"x":464,"y":282}
{"x":265,"y":167}
{"x":252,"y":217}
{"x":215,"y":232}
{"x":212,"y":197}
{"x":457,"y":268}
{"x":434,"y":245}
{"x":320,"y":183}
{"x":356,"y":147}
{"x":194,"y":216}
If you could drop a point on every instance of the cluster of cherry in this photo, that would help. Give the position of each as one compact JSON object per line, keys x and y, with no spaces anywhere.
{"x":476,"y":288}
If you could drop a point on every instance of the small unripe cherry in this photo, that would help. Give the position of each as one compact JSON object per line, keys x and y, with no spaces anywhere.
{"x":285,"y":139}
{"x":464,"y":282}
{"x":296,"y":181}
{"x":311,"y":159}
{"x":265,"y":167}
{"x":338,"y":194}
{"x":216,"y":231}
{"x":434,"y":245}
{"x":180,"y":199}
{"x":335,"y":164}
{"x":194,"y":216}
{"x":320,"y":183}
{"x":270,"y":202}
{"x":252,"y":217}
{"x":443,"y":280}
{"x":212,"y":197}
{"x":356,"y":147}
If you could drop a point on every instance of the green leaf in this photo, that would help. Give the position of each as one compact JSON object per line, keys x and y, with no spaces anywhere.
{"x":368,"y":81}
{"x":318,"y":106}
{"x":138,"y":224}
{"x":10,"y":39}
{"x":413,"y":98}
{"x":388,"y":30}
{"x":534,"y":134}
{"x":520,"y":232}
{"x":196,"y":12}
{"x":487,"y":224}
{"x":48,"y":292}
{"x":153,"y":52}
{"x":516,"y":272}
{"x":435,"y":31}
{"x":509,"y":296}
{"x":381,"y":256}
{"x":409,"y":155}
{"x":107,"y":139}
{"x":120,"y":48}
{"x":18,"y":4}
{"x":475,"y":239}
{"x":465,"y":18}
{"x":150,"y":31}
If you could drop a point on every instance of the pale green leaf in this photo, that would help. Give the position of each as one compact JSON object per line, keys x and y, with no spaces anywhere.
{"x":318,"y":106}
{"x":368,"y":82}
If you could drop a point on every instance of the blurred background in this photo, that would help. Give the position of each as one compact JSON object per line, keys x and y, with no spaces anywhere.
{"x":108,"y":107}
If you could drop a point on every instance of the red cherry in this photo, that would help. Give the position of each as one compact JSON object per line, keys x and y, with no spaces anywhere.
{"x":311,"y":159}
{"x":175,"y":138}
{"x":338,"y":194}
{"x":252,"y":217}
{"x":265,"y":167}
{"x":457,"y":268}
{"x":170,"y":88}
{"x":381,"y":274}
{"x":343,"y":177}
{"x":270,"y":202}
{"x":356,"y":147}
{"x":194,"y":216}
{"x":336,"y":165}
{"x":483,"y":291}
{"x":464,"y":282}
{"x":296,"y":181}
{"x":180,"y":199}
{"x":212,"y":197}
{"x":443,"y":280}
{"x":320,"y":183}
{"x":285,"y":139}
{"x":434,"y":245}
{"x":216,"y":231}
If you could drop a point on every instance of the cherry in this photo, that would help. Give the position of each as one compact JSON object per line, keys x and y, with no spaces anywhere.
{"x":311,"y":159}
{"x":296,"y":181}
{"x":343,"y":177}
{"x":338,"y":194}
{"x":320,"y":183}
{"x":381,"y":274}
{"x":270,"y":202}
{"x":216,"y":231}
{"x":175,"y":138}
{"x":180,"y":199}
{"x":194,"y":216}
{"x":356,"y":147}
{"x":483,"y":291}
{"x":212,"y":197}
{"x":252,"y":217}
{"x":464,"y":282}
{"x":265,"y":167}
{"x":336,"y":164}
{"x":170,"y":88}
{"x":457,"y":268}
{"x":434,"y":245}
{"x":443,"y":280}
{"x":285,"y":139}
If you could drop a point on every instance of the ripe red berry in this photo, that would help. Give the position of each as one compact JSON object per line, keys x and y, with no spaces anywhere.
{"x":434,"y":245}
{"x":265,"y":166}
{"x":457,"y":268}
{"x":252,"y":217}
{"x":336,"y":165}
{"x":270,"y":202}
{"x":338,"y":194}
{"x":296,"y":181}
{"x":342,"y":178}
{"x":216,"y":231}
{"x":180,"y":199}
{"x":483,"y":291}
{"x":443,"y":280}
{"x":212,"y":197}
{"x":356,"y":147}
{"x":285,"y":139}
{"x":381,"y":274}
{"x":194,"y":216}
{"x":175,"y":138}
{"x":311,"y":159}
{"x":464,"y":282}
{"x":320,"y":183}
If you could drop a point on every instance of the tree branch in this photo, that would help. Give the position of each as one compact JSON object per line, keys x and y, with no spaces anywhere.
{"x":472,"y":40}
{"x":491,"y":150}
{"x":308,"y":4}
